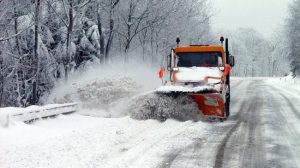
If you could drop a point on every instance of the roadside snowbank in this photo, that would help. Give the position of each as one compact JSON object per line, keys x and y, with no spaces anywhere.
{"x":291,"y":80}
{"x":80,"y":141}
{"x":289,"y":83}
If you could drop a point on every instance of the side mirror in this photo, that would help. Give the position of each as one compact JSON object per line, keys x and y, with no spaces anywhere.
{"x":169,"y":60}
{"x":221,"y":68}
{"x":231,"y":61}
{"x":227,"y":70}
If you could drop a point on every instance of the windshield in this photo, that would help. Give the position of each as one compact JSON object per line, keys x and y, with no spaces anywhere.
{"x":199,"y":59}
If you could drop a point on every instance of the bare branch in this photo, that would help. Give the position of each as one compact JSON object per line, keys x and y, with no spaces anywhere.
{"x":57,"y":14}
{"x":15,"y":35}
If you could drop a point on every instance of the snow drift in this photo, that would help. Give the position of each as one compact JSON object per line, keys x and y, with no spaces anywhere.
{"x":100,"y":93}
{"x":121,"y":91}
{"x":162,"y":107}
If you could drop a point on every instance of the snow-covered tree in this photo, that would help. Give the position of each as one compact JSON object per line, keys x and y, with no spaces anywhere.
{"x":293,"y":35}
{"x":256,"y":55}
{"x":44,"y":41}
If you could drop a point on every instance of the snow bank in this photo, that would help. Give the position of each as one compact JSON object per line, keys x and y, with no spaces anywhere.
{"x":78,"y":141}
{"x":162,"y":107}
{"x":289,"y":83}
{"x":291,"y":80}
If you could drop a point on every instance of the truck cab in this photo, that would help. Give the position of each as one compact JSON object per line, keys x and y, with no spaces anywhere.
{"x":203,"y":67}
{"x":198,"y":64}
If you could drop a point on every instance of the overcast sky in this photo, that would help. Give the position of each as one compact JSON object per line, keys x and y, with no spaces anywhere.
{"x":263,"y":15}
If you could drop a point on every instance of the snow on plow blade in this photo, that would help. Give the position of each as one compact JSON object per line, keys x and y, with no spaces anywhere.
{"x":33,"y":113}
{"x":210,"y":102}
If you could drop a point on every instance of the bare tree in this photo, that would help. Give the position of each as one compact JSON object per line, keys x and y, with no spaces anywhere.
{"x":293,"y":35}
{"x":67,"y":59}
{"x":1,"y":79}
{"x":105,"y":44}
{"x":36,"y":51}
{"x":43,"y":41}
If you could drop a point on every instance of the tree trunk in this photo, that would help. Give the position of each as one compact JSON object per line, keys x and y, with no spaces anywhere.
{"x":20,"y":81}
{"x":111,"y":29}
{"x":16,"y":27}
{"x":69,"y":39}
{"x":113,"y":4}
{"x":36,"y":54}
{"x":1,"y":80}
{"x":101,"y":39}
{"x":110,"y":38}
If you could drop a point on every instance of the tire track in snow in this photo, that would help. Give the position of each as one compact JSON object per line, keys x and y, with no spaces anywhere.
{"x":221,"y":149}
{"x":125,"y":145}
{"x":250,"y":120}
{"x":293,"y":108}
{"x":254,"y":154}
{"x":170,"y":158}
{"x":284,"y":137}
{"x":142,"y":148}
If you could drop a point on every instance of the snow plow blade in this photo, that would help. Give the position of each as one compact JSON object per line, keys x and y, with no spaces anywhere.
{"x":210,"y":102}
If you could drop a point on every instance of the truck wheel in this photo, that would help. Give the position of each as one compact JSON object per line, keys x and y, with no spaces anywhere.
{"x":227,"y":105}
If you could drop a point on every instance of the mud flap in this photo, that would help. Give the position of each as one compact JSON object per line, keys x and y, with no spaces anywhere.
{"x":211,"y":104}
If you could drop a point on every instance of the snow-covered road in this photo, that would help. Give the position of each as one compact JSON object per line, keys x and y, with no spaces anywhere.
{"x":263,"y":131}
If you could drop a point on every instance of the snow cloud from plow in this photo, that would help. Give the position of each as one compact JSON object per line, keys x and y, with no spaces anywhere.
{"x":120,"y":91}
{"x":162,"y":107}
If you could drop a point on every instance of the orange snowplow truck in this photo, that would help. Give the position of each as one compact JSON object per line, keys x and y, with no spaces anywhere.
{"x":202,"y":72}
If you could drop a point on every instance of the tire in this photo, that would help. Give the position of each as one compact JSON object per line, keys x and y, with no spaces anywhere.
{"x":227,"y":105}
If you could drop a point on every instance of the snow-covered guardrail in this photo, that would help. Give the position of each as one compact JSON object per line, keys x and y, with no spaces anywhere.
{"x":34,"y":112}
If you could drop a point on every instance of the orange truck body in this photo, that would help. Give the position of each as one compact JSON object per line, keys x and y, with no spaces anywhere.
{"x":210,"y":104}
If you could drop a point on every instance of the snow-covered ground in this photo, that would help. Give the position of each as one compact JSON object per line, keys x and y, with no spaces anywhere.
{"x":83,"y":141}
{"x":263,"y":131}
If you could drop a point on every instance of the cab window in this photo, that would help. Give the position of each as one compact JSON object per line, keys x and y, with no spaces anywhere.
{"x":199,"y":59}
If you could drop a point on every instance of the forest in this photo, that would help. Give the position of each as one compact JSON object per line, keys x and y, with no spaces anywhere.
{"x":47,"y":41}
